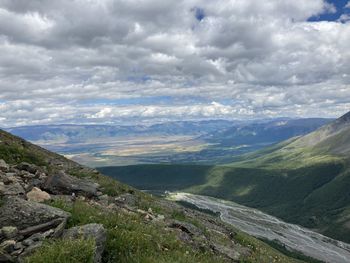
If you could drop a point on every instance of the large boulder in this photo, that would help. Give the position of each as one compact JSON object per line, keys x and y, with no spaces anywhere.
{"x":29,"y":216}
{"x":62,"y":183}
{"x":94,"y":231}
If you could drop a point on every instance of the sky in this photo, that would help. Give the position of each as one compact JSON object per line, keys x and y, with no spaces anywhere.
{"x":130,"y":61}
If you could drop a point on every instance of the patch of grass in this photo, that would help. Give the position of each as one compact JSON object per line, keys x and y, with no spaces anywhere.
{"x":130,"y":239}
{"x":15,"y":150}
{"x":178,"y":215}
{"x":64,"y":251}
{"x":15,"y":154}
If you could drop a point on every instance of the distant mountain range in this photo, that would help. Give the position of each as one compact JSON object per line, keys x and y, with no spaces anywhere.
{"x":304,"y":179}
{"x":209,"y":142}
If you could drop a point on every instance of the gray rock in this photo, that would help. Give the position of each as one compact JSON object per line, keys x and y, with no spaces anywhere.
{"x":4,"y":179}
{"x":62,"y":183}
{"x":17,"y":252}
{"x":3,"y":166}
{"x":12,"y":189}
{"x":31,"y":168}
{"x":228,"y":251}
{"x":18,"y":246}
{"x":8,"y":246}
{"x":26,"y":214}
{"x":30,"y":249}
{"x":104,"y":200}
{"x":186,"y":227}
{"x":5,"y":258}
{"x":28,"y":242}
{"x":95,"y":231}
{"x":127,"y":199}
{"x":9,"y":231}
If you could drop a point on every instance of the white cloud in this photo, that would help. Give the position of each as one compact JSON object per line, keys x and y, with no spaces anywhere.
{"x":260,"y":57}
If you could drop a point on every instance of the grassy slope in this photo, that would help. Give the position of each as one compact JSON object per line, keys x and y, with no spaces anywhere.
{"x":129,"y":237}
{"x":303,"y":180}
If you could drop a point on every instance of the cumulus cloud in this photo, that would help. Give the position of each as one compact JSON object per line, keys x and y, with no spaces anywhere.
{"x":78,"y":61}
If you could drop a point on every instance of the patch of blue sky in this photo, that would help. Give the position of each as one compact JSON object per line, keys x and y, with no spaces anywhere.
{"x":199,"y":13}
{"x":332,"y":16}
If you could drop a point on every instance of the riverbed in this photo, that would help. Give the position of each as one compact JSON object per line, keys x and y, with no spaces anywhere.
{"x":262,"y":225}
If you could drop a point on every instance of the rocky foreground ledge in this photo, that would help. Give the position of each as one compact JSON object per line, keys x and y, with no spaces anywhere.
{"x":26,"y":220}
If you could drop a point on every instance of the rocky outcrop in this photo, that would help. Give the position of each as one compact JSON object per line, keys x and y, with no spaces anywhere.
{"x":24,"y":214}
{"x":62,"y":183}
{"x":94,"y":231}
{"x":25,"y":222}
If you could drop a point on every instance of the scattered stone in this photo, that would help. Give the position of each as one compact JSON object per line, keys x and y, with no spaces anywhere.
{"x":31,"y":168}
{"x":186,"y":227}
{"x":11,"y":174}
{"x":227,"y":251}
{"x":37,"y":195}
{"x":127,"y":199}
{"x":18,"y":246}
{"x":3,"y":166}
{"x":27,"y":175}
{"x":9,"y":231}
{"x":160,"y":217}
{"x":95,"y":231}
{"x":149,"y":217}
{"x":30,"y":249}
{"x":8,"y":246}
{"x":28,"y":242}
{"x":17,"y":252}
{"x":62,"y":183}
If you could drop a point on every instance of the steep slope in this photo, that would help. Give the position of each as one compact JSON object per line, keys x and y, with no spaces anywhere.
{"x":303,"y":180}
{"x":107,"y":221}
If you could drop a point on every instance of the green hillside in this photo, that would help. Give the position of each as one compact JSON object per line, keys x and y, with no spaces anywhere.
{"x":138,"y":227}
{"x":304,"y":180}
